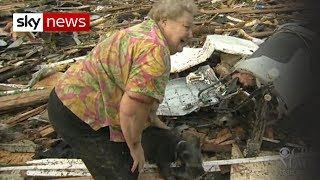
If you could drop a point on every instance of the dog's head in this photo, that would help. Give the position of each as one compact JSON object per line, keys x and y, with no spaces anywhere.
{"x":189,"y":153}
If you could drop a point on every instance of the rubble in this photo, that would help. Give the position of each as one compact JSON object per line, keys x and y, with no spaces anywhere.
{"x":235,"y":125}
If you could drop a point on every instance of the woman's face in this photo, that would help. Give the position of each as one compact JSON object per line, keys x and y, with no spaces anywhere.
{"x":177,"y":32}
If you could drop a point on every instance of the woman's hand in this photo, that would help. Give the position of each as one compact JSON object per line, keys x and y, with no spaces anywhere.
{"x":137,"y":155}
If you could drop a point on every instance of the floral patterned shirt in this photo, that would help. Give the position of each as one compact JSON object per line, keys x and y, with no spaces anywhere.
{"x":135,"y":59}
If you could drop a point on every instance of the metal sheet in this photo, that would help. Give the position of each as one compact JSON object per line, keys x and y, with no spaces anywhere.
{"x":181,"y":98}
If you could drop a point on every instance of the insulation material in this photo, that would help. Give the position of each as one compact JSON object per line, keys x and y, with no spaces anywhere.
{"x":190,"y":57}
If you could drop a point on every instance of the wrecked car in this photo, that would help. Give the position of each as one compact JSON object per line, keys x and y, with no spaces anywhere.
{"x":281,"y":63}
{"x":283,"y":60}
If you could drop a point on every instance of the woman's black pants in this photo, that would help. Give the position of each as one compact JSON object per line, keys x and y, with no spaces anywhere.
{"x":103,"y":158}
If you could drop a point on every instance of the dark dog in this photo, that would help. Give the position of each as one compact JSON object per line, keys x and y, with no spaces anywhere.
{"x":162,"y":147}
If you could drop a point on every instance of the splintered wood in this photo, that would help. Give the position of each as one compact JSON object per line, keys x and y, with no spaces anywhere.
{"x":24,"y":116}
{"x":222,"y":142}
{"x":8,"y":158}
{"x":23,"y":100}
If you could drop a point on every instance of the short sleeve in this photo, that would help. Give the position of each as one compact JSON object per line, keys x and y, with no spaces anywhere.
{"x":149,"y":74}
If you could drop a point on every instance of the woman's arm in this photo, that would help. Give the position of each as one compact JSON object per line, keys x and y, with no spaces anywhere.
{"x":134,"y":113}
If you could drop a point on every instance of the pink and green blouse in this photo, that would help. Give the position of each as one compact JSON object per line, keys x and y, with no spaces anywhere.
{"x":135,"y":59}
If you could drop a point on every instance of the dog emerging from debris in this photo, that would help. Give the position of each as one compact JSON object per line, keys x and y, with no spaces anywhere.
{"x":163,"y":146}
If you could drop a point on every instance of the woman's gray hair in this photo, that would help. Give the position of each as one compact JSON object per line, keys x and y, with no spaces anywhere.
{"x":172,"y":9}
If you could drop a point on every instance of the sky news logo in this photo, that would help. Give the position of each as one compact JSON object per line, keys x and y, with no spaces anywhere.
{"x":51,"y":22}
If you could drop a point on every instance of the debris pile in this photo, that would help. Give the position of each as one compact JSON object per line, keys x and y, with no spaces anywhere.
{"x":201,"y":99}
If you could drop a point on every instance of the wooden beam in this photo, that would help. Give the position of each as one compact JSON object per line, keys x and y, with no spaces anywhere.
{"x":21,"y":117}
{"x":261,"y":34}
{"x":58,"y":173}
{"x":245,"y":9}
{"x":19,"y":71}
{"x":261,"y":108}
{"x":47,"y":132}
{"x":282,"y":10}
{"x":78,"y":164}
{"x":25,"y":99}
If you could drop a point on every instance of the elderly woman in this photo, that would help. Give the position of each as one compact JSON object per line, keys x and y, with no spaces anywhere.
{"x":103,"y":103}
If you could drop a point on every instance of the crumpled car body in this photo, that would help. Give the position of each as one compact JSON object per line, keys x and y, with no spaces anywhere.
{"x":284,"y":60}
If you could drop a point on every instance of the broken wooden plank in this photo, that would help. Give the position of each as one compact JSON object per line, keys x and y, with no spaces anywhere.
{"x":242,"y":160}
{"x":43,"y":167}
{"x":19,"y":71}
{"x":204,"y":29}
{"x":235,"y":154}
{"x":26,"y":99}
{"x":83,"y":8}
{"x":225,"y":10}
{"x":255,"y":140}
{"x":19,"y":91}
{"x":55,"y":166}
{"x":67,"y":61}
{"x":24,"y":116}
{"x":5,"y":86}
{"x":119,"y":8}
{"x":57,"y":173}
{"x":222,"y":136}
{"x":49,"y":131}
{"x":282,"y":10}
{"x":83,"y":174}
{"x":10,"y":158}
{"x":261,"y":34}
{"x":243,"y":9}
{"x":286,"y":144}
{"x":77,"y":164}
{"x":245,"y":35}
{"x":55,"y":161}
{"x":6,"y":68}
{"x":228,"y":142}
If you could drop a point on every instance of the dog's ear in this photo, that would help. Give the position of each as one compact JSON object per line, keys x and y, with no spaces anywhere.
{"x":181,"y":146}
{"x":183,"y":152}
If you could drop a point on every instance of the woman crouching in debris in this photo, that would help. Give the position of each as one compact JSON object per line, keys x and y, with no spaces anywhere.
{"x":102,"y":104}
